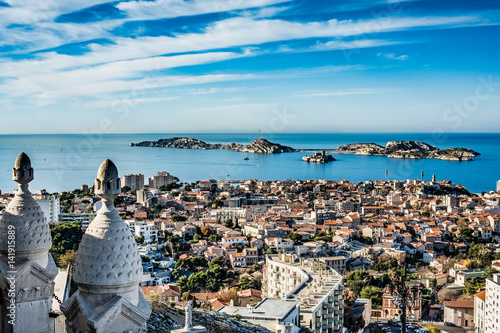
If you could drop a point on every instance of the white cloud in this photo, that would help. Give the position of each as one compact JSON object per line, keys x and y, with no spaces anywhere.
{"x":345,"y":92}
{"x":393,"y":56}
{"x":150,"y":10}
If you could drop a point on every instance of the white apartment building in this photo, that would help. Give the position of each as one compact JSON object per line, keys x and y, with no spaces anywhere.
{"x":147,"y":231}
{"x":134,"y":181}
{"x":479,"y":306}
{"x":318,"y":289}
{"x":237,"y":214}
{"x":50,"y":205}
{"x":83,"y":218}
{"x":492,"y":305}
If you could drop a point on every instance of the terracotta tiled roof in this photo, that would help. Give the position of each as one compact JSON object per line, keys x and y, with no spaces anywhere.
{"x":459,"y":304}
{"x":481,"y":295}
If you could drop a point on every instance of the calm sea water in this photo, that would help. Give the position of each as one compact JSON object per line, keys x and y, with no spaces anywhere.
{"x":64,"y":162}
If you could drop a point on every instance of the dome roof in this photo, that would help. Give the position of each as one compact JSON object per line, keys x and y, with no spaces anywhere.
{"x":25,"y":215}
{"x":107,"y":255}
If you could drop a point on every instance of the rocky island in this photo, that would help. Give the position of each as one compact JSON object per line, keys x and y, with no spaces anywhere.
{"x":259,"y":146}
{"x":319,"y":157}
{"x":410,"y":150}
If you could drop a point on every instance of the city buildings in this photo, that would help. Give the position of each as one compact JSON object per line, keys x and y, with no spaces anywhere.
{"x":162,"y":178}
{"x":50,"y":205}
{"x":134,"y":181}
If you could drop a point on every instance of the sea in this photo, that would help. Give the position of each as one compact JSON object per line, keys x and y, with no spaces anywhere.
{"x":64,"y":162}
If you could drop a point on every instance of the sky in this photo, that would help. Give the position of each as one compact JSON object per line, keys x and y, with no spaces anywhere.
{"x":186,"y":66}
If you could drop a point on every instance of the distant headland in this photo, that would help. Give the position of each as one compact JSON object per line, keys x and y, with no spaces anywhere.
{"x":393,"y":149}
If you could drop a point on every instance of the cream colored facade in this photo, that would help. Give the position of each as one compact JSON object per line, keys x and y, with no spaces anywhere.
{"x":319,"y":290}
{"x":492,"y":305}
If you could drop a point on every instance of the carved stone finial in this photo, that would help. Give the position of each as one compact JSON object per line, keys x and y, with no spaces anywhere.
{"x":107,"y":183}
{"x":22,"y":173}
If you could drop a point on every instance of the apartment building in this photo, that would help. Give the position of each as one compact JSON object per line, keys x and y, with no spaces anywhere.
{"x":492,"y":305}
{"x":318,"y":289}
{"x":134,"y":181}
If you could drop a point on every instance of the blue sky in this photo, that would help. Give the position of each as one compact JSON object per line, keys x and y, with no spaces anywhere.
{"x":244,"y":65}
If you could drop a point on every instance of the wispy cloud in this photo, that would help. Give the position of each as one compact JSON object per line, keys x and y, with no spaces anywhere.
{"x":393,"y":56}
{"x":345,"y":92}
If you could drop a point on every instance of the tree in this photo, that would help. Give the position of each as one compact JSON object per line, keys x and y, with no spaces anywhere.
{"x":206,"y":231}
{"x":474,"y":284}
{"x":228,"y":223}
{"x":373,"y":293}
{"x":432,"y":329}
{"x":126,"y":189}
{"x":68,"y":258}
{"x":182,"y":284}
{"x":196,"y":237}
{"x":212,"y":238}
{"x":247,"y":283}
{"x":357,"y":280}
{"x":296,"y":237}
{"x":447,"y":294}
{"x":177,"y":217}
{"x":228,"y":295}
{"x":65,"y":237}
{"x":466,"y":234}
{"x":139,"y":239}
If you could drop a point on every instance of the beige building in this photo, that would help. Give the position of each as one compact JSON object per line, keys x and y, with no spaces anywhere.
{"x":135,"y":181}
{"x":460,"y":312}
{"x":492,"y":305}
{"x":318,"y":289}
{"x":336,"y":263}
{"x":479,"y":308}
{"x":162,"y":178}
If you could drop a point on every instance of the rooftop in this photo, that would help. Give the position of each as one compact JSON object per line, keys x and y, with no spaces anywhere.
{"x":268,"y":308}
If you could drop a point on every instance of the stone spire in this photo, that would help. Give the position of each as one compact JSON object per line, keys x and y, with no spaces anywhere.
{"x":25,"y":241}
{"x":108,"y":269}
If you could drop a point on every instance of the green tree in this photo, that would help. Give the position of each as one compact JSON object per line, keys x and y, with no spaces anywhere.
{"x":357,"y":280}
{"x":196,"y":237}
{"x":126,"y":189}
{"x":228,"y":223}
{"x":373,"y":293}
{"x":65,"y":237}
{"x":474,"y":284}
{"x":466,"y":234}
{"x":296,"y":237}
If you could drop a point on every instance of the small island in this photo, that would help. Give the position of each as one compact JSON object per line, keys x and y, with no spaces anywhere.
{"x":259,"y":146}
{"x":319,"y":157}
{"x":393,"y":149}
{"x":409,"y":150}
